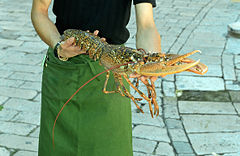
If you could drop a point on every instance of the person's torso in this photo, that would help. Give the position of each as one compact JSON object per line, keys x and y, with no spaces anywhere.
{"x":110,"y":17}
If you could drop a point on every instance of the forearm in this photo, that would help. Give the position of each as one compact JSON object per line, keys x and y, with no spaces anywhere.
{"x":147,"y":36}
{"x":149,"y":39}
{"x":45,"y":28}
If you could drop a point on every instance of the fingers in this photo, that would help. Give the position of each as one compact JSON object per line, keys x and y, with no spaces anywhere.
{"x":96,"y":32}
{"x":68,"y":42}
{"x":103,"y":39}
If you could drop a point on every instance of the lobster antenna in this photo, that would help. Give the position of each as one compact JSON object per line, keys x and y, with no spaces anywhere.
{"x":114,"y":67}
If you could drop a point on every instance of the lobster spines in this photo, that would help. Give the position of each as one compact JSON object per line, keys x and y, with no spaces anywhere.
{"x":92,"y":44}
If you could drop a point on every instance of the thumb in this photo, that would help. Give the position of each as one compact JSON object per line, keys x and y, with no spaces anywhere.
{"x":70,"y":41}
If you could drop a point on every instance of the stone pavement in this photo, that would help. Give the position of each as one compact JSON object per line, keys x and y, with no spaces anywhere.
{"x":199,"y":115}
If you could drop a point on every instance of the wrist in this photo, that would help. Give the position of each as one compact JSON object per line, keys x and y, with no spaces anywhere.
{"x":56,"y":51}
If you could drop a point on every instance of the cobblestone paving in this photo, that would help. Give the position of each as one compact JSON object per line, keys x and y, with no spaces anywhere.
{"x":199,"y":115}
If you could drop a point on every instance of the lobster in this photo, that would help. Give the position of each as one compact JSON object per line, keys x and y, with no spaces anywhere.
{"x":129,"y":61}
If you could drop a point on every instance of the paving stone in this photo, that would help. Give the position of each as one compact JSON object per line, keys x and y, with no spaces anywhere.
{"x":211,"y":123}
{"x":32,"y":85}
{"x":146,"y":109}
{"x":165,"y":149}
{"x":26,"y":49}
{"x":10,"y":83}
{"x":31,"y":33}
{"x":232,"y":154}
{"x":219,"y":96}
{"x":227,"y":59}
{"x":201,"y":107}
{"x":13,"y":27}
{"x":23,"y":68}
{"x":171,"y":111}
{"x":207,"y":35}
{"x":146,"y":119}
{"x":157,"y":133}
{"x":232,"y":46}
{"x":178,"y":135}
{"x":158,"y":83}
{"x":207,"y":143}
{"x":25,"y":153}
{"x":28,"y":117}
{"x":35,"y":133}
{"x":173,"y":124}
{"x":199,"y":83}
{"x":16,"y":92}
{"x":170,"y":101}
{"x":169,"y":77}
{"x":182,"y":147}
{"x":238,"y":74}
{"x":10,"y":42}
{"x":206,"y":51}
{"x":228,"y":72}
{"x":4,"y":152}
{"x":5,"y":74}
{"x":26,"y":76}
{"x":237,"y":61}
{"x":187,"y":155}
{"x":15,"y":128}
{"x":141,"y":145}
{"x":33,"y":47}
{"x":232,"y":85}
{"x":207,"y":60}
{"x":206,"y":43}
{"x":6,"y":114}
{"x":38,"y":97}
{"x":29,"y":38}
{"x":22,"y":105}
{"x":237,"y":106}
{"x":19,"y":142}
{"x":141,"y":154}
{"x":169,"y":88}
{"x":8,"y":35}
{"x":3,"y":99}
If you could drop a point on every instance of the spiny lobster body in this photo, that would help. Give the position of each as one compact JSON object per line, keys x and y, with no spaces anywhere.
{"x":133,"y":61}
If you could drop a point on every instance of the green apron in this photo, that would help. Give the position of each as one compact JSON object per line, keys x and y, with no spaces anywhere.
{"x":92,"y":123}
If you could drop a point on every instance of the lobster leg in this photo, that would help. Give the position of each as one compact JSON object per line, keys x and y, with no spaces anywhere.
{"x":140,"y":93}
{"x":118,"y":78}
{"x":151,"y":89}
{"x":128,"y":94}
{"x":116,"y":83}
{"x":105,"y":85}
{"x":154,"y":101}
{"x":137,"y":83}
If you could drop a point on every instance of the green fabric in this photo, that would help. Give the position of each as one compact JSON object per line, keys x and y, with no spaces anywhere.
{"x":92,"y":123}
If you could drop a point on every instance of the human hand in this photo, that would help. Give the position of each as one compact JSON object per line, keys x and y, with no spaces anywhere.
{"x":68,"y":48}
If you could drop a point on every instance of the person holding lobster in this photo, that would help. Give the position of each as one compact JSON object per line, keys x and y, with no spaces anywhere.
{"x":93,"y":123}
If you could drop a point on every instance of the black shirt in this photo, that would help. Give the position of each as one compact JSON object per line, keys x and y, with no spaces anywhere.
{"x":110,"y":17}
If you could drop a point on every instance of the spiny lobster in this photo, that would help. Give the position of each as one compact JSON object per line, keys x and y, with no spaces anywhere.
{"x":131,"y":60}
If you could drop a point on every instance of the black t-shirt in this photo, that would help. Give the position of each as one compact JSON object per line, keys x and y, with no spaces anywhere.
{"x":110,"y":17}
